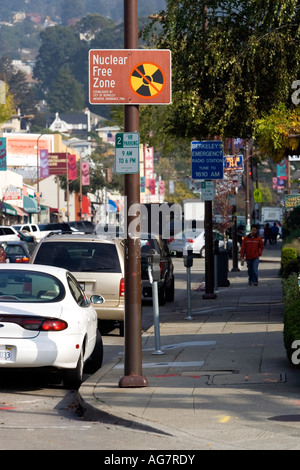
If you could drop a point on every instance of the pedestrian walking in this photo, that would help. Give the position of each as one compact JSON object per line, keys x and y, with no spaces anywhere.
{"x":275,"y":231}
{"x":251,"y":249}
{"x":267,"y":234}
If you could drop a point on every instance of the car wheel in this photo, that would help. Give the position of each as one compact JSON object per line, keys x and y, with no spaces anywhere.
{"x":95,"y":361}
{"x":72,"y":378}
{"x":170,"y":294}
{"x":202,"y":252}
{"x":162,"y":295}
{"x":121,"y":328}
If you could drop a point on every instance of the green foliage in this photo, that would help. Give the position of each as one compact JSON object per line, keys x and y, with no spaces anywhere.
{"x":290,"y":288}
{"x":272,"y":132}
{"x":232,"y":62}
{"x":6,"y":108}
{"x":291,"y":330}
{"x":65,"y":93}
{"x":291,"y":297}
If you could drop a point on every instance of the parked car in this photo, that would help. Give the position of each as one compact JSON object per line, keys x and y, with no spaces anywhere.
{"x":196,"y":241}
{"x":166,"y":285}
{"x":84,"y":226}
{"x":58,"y":227}
{"x":97,"y":264}
{"x":31,"y":229}
{"x":47,"y":321}
{"x":26,"y":236}
{"x":16,"y":252}
{"x":8,"y":233}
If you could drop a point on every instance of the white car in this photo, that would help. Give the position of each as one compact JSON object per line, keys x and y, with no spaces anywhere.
{"x":46,"y":320}
{"x":8,"y":233}
{"x":196,"y":241}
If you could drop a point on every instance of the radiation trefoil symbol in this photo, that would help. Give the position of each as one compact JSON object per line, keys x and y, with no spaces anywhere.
{"x":147,"y":80}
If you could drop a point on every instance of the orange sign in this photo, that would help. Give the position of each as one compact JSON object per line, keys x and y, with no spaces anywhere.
{"x":130,"y":76}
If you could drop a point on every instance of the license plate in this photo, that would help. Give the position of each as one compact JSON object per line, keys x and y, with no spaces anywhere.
{"x":6,"y":353}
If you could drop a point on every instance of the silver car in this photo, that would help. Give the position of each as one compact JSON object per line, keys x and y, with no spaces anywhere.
{"x":196,"y":241}
{"x":96,"y":263}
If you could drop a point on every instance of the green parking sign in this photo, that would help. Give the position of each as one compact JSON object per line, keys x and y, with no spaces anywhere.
{"x":127,"y":156}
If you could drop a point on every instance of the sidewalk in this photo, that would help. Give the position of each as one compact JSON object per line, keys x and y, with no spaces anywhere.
{"x":223,"y":380}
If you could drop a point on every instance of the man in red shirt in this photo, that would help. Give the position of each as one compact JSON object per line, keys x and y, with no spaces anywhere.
{"x":251,"y":249}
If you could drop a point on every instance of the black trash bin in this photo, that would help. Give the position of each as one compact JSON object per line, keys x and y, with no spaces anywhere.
{"x":222,"y":268}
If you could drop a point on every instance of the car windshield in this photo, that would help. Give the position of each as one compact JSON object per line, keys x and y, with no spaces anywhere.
{"x":29,"y":286}
{"x":80,"y":256}
{"x":14,"y":250}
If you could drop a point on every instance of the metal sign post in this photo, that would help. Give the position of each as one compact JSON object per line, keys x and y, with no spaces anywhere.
{"x":208,"y":164}
{"x":133,"y":316}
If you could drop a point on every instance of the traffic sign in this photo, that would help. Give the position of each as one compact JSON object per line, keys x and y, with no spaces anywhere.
{"x":130,"y":76}
{"x":207,"y":190}
{"x":127,"y":145}
{"x":207,"y":160}
{"x":257,"y":195}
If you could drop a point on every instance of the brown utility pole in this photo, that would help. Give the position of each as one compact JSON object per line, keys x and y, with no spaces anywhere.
{"x":133,"y":310}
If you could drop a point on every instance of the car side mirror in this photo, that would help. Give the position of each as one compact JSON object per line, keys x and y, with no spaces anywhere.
{"x":97,"y":299}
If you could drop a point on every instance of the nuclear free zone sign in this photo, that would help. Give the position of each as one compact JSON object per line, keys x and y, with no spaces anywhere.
{"x":130,"y":76}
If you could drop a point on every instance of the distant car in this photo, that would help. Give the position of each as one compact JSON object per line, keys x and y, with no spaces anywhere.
{"x":47,"y":321}
{"x":97,"y":264}
{"x":16,"y":252}
{"x":26,"y":236}
{"x":196,"y":241}
{"x":61,"y":227}
{"x":166,"y":284}
{"x":84,"y":226}
{"x":8,"y":233}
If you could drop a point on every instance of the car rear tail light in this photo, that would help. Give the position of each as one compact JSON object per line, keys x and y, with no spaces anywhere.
{"x":122,"y":287}
{"x":53,"y":325}
{"x":22,"y":259}
{"x":190,"y":240}
{"x":35,"y":323}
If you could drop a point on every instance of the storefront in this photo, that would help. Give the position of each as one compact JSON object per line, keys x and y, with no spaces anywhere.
{"x":30,"y":206}
{"x":9,"y":214}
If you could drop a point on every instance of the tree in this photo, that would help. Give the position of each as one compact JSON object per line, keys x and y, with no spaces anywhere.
{"x":276,"y":132}
{"x":23,"y":94}
{"x":232,"y":61}
{"x":65,"y":93}
{"x":60,"y":46}
{"x":6,"y":103}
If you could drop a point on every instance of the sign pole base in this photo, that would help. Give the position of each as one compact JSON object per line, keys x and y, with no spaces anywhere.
{"x":134,"y":381}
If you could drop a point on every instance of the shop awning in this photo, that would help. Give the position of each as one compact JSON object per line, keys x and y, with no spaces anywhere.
{"x":19,"y":211}
{"x":8,"y":209}
{"x":30,"y":205}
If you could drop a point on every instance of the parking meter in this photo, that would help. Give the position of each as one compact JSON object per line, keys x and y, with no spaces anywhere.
{"x":154,"y":266}
{"x":188,"y":263}
{"x":154,"y":277}
{"x":188,"y":257}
